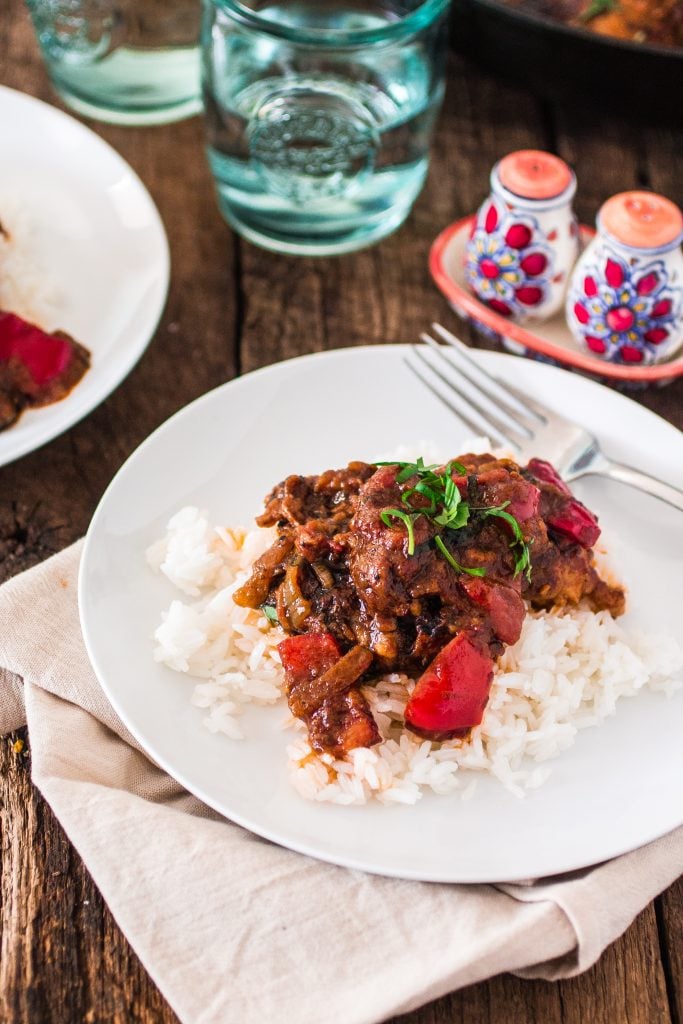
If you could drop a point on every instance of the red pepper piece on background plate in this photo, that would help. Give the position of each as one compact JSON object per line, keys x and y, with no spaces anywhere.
{"x":44,"y":356}
{"x":36,"y":368}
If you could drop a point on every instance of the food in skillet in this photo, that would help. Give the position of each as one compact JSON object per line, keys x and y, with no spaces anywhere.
{"x":658,"y":22}
{"x":415,"y":569}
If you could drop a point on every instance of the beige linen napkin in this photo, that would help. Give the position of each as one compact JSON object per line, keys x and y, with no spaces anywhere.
{"x":235,"y":929}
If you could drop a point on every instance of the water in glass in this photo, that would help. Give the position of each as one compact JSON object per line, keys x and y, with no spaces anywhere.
{"x":318,"y":150}
{"x":125,"y":61}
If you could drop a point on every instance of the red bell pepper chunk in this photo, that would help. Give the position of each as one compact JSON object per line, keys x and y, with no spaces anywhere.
{"x":307,"y":656}
{"x":547,"y":474}
{"x":45,"y":356}
{"x":525,"y":501}
{"x":451,"y":695}
{"x":577,"y":523}
{"x":505,"y":607}
{"x":572,"y":518}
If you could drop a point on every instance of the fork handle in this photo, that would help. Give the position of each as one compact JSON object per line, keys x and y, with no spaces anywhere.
{"x":641,"y":481}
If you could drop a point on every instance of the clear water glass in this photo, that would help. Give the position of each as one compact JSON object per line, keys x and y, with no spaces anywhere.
{"x":319,"y":115}
{"x":122,"y":61}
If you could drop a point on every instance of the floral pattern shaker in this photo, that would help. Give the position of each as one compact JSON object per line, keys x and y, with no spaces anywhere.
{"x":625,"y":302}
{"x":525,"y":239}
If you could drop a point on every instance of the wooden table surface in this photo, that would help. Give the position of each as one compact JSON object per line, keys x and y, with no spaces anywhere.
{"x":233,"y":308}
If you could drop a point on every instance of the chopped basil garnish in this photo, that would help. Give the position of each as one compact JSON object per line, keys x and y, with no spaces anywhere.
{"x":456,"y":565}
{"x":437,"y":497}
{"x":597,"y":7}
{"x":407,"y":520}
{"x":521,"y":548}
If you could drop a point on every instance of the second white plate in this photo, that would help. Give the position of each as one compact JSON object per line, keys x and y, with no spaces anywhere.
{"x":97,"y":236}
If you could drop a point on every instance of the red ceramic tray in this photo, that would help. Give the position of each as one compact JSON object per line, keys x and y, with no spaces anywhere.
{"x":550,"y":339}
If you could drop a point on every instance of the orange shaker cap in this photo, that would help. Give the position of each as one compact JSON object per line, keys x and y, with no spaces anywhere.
{"x":642,"y":220}
{"x":533,"y":174}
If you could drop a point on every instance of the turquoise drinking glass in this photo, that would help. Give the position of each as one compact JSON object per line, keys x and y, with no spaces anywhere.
{"x":122,"y":61}
{"x":319,"y":115}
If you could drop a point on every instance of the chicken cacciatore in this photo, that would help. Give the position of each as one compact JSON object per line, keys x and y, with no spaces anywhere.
{"x":423,"y":570}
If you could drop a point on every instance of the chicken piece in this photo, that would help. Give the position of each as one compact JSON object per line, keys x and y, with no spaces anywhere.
{"x":254,"y":592}
{"x":320,"y":689}
{"x":341,"y":724}
{"x":306,"y":696}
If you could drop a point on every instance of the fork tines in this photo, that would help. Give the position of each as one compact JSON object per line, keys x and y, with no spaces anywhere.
{"x":467,"y":390}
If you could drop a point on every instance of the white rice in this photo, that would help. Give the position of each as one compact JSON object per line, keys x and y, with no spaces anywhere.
{"x":26,"y":287}
{"x":566,"y":672}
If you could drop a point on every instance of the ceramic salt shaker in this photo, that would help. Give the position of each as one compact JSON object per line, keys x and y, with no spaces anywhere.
{"x":525,"y":240}
{"x":625,"y":302}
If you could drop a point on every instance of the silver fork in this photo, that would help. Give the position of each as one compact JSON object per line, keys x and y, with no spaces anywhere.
{"x":529,"y":428}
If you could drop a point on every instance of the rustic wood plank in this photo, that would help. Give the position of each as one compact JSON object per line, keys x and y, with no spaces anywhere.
{"x":627,"y":986}
{"x":670,"y":920}
{"x":604,"y":152}
{"x":62,"y":957}
{"x":502,"y":999}
{"x":663,"y":162}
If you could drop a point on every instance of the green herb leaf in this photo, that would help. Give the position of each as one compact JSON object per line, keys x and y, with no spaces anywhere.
{"x":396,"y":513}
{"x":452,"y":562}
{"x":446,"y":508}
{"x":270,"y":613}
{"x":522,"y":552}
{"x":443,"y":503}
{"x":455,"y":519}
{"x":450,"y":492}
{"x":427,"y":492}
{"x":597,"y":7}
{"x":409,"y":469}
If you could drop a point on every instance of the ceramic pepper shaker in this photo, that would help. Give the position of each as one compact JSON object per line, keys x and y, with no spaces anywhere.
{"x":625,"y":302}
{"x":525,"y":239}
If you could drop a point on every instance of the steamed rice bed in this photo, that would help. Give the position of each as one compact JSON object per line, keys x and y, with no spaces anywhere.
{"x":566,"y":672}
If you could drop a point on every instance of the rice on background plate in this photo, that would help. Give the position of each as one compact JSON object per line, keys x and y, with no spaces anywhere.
{"x":26,"y":288}
{"x":566,"y":672}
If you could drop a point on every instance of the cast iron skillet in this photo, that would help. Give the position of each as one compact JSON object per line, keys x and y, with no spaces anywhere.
{"x":571,"y":64}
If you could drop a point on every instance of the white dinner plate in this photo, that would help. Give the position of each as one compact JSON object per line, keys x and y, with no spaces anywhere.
{"x":618,"y":787}
{"x":96,"y":235}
